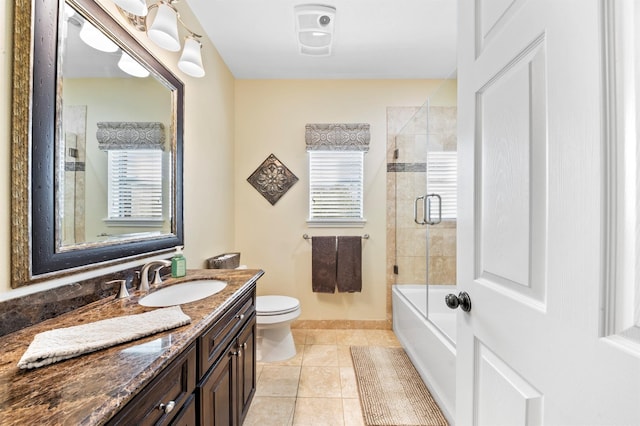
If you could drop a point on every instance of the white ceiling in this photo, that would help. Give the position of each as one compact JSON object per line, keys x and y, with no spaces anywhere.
{"x":386,"y":39}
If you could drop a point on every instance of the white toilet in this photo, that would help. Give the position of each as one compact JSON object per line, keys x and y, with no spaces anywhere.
{"x":274,"y":315}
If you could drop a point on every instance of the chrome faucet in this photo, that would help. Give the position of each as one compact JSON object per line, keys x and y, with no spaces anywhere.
{"x":144,"y":273}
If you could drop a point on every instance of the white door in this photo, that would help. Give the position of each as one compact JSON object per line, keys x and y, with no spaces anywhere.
{"x":530,"y":231}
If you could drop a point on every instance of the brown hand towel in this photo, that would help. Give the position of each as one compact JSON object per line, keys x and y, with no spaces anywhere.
{"x":349,"y":271}
{"x":323,"y":264}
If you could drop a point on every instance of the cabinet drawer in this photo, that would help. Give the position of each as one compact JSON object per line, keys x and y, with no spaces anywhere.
{"x":174,"y":385}
{"x":187,"y":416}
{"x":214,"y":341}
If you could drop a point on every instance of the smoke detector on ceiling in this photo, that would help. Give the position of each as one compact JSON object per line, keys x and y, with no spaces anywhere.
{"x":314,"y":28}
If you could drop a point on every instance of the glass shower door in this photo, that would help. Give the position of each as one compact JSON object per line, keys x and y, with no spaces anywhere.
{"x":425,"y":165}
{"x":409,"y":171}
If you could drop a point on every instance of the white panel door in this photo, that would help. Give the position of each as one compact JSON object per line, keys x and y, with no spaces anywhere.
{"x":530,"y":224}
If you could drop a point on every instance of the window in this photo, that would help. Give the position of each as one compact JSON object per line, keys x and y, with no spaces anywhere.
{"x":336,"y":173}
{"x":442,"y":171}
{"x":135,"y":186}
{"x":336,"y":186}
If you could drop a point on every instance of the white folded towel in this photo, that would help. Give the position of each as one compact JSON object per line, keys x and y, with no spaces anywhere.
{"x":64,"y":343}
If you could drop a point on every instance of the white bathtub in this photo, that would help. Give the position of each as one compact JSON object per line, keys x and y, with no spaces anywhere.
{"x":430,"y":347}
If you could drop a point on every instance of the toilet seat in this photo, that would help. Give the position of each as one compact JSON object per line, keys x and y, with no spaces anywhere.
{"x":276,"y":305}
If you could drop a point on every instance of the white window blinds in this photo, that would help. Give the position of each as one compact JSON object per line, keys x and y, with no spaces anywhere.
{"x":135,"y":184}
{"x":442,"y":178}
{"x":336,"y":185}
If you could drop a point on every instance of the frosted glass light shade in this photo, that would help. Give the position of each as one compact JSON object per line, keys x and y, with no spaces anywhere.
{"x":190,"y":62}
{"x":132,"y":67}
{"x":68,"y":11}
{"x":164,"y":29}
{"x":135,"y":7}
{"x":96,"y":38}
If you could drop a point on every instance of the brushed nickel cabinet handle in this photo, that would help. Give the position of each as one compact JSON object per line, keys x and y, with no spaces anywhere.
{"x":168,"y":407}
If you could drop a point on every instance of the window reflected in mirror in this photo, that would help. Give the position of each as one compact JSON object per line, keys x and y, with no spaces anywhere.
{"x":116,"y":188}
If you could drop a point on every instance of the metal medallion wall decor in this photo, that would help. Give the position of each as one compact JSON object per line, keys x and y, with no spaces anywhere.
{"x":272,"y":179}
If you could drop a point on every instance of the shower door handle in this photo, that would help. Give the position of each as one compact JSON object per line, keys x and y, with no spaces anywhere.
{"x":427,"y":208}
{"x":424,"y":210}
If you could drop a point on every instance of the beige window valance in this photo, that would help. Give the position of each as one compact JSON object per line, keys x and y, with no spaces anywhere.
{"x":130,"y":135}
{"x":337,"y":137}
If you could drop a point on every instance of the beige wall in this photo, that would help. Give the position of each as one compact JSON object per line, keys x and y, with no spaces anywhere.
{"x":270,"y":118}
{"x":208,"y":150}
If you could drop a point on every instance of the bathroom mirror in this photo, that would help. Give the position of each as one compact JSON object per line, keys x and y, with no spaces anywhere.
{"x":96,"y":151}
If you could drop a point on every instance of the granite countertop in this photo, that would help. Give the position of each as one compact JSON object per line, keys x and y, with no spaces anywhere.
{"x":91,"y":388}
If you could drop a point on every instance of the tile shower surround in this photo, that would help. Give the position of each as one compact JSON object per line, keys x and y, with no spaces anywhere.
{"x":406,"y":241}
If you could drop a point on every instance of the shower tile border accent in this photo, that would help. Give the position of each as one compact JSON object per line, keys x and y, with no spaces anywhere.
{"x":406,"y":167}
{"x":74,"y":166}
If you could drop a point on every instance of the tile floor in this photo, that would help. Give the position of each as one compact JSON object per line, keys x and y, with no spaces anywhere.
{"x":317,"y":386}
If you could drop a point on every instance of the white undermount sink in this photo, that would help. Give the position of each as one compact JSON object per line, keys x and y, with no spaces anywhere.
{"x":186,"y":292}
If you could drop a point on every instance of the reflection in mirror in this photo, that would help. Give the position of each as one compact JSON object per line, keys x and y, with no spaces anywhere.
{"x":115,"y":174}
{"x":97,"y":167}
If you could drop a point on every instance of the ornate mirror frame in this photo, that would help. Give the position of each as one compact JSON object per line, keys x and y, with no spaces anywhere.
{"x":34,"y":256}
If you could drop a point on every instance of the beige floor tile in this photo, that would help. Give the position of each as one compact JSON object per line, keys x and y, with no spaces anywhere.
{"x":351,"y":337}
{"x":348,"y":382}
{"x":278,"y":380}
{"x":320,"y":355}
{"x":320,"y":382}
{"x":295,"y":360}
{"x":344,"y":356}
{"x":321,"y":337}
{"x":318,"y":412}
{"x":258,"y":371}
{"x":352,"y":412}
{"x":382,"y":338}
{"x":270,"y":411}
{"x":318,"y":386}
{"x":299,"y":336}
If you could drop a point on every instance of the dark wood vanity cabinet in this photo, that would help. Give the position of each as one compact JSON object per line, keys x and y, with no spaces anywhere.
{"x":166,"y":397}
{"x":246,"y":378}
{"x":226,"y":389}
{"x":210,"y":383}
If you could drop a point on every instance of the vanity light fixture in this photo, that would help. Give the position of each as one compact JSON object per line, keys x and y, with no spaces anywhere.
{"x":314,"y":28}
{"x":190,"y":62}
{"x":136,"y":7}
{"x":163,"y":31}
{"x":132,"y":67}
{"x":96,"y":39}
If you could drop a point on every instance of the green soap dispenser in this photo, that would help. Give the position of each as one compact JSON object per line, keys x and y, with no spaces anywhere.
{"x":178,"y":264}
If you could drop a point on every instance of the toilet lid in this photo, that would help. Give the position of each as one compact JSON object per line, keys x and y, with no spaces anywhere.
{"x":276,"y":305}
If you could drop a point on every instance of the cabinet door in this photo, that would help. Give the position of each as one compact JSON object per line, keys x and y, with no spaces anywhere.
{"x":246,"y":379}
{"x":218,"y":400}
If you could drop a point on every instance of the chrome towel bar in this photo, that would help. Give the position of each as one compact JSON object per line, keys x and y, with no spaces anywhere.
{"x":307,"y":237}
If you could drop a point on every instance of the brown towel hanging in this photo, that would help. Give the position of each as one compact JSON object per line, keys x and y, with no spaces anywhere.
{"x":349,"y":268}
{"x":323,"y":264}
